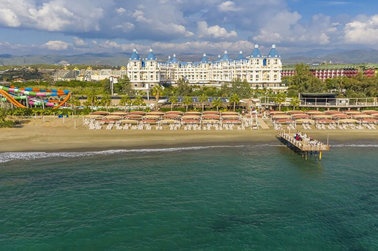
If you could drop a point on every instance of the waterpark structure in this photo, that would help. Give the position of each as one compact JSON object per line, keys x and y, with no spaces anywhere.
{"x":33,"y":97}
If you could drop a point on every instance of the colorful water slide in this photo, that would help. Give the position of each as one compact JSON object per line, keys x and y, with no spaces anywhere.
{"x":11,"y":99}
{"x":34,"y":96}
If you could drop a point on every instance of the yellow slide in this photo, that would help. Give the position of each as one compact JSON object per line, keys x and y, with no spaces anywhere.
{"x":11,"y":99}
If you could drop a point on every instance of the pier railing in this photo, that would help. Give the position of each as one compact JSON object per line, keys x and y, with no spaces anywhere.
{"x":304,"y":145}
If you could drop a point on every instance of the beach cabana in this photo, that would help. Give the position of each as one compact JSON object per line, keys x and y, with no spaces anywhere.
{"x":285,"y":121}
{"x":210,"y":121}
{"x":340,"y":116}
{"x":322,"y":116}
{"x":113,"y":117}
{"x":300,"y":116}
{"x":210,"y":117}
{"x":192,"y":113}
{"x":196,"y":117}
{"x":313,"y":112}
{"x":304,"y":121}
{"x":210,"y":112}
{"x":174,"y":112}
{"x":155,"y":113}
{"x":281,"y":116}
{"x":119,"y":113}
{"x":172,"y":116}
{"x":325,"y":121}
{"x":231,"y":121}
{"x":295,"y":112}
{"x":230,"y":117}
{"x":134,"y":116}
{"x":230,"y":113}
{"x":352,"y":112}
{"x":332,"y":112}
{"x":370,"y":112}
{"x":138,"y":112}
{"x":361,"y":116}
{"x":129,"y":121}
{"x":94,"y":116}
{"x":275,"y":112}
{"x":190,"y":121}
{"x":100,"y":113}
{"x":348,"y":121}
{"x":169,"y":121}
{"x":369,"y":121}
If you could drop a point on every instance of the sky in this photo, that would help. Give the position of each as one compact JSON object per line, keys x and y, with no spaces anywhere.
{"x":185,"y":26}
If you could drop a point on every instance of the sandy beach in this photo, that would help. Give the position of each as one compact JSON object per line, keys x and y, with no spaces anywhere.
{"x":52,"y":134}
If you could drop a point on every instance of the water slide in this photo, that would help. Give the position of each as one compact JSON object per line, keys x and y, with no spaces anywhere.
{"x":12,"y":94}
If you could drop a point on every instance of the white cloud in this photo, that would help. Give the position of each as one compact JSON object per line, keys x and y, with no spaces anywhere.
{"x":9,"y":18}
{"x":363,"y":31}
{"x":79,"y":42}
{"x":56,"y":45}
{"x":120,"y":11}
{"x":227,"y":6}
{"x":205,"y":31}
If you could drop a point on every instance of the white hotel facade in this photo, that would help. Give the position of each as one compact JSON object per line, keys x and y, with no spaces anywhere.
{"x":258,"y":70}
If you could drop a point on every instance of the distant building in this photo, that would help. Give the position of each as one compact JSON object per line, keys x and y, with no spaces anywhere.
{"x":258,"y":70}
{"x":324,"y":72}
{"x":89,"y":74}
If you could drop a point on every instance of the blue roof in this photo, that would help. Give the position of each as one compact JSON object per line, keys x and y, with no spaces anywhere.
{"x":273,"y":53}
{"x":240,"y":57}
{"x":134,"y":55}
{"x":151,"y":55}
{"x":174,"y":59}
{"x":204,"y":59}
{"x":225,"y":56}
{"x":256,"y":52}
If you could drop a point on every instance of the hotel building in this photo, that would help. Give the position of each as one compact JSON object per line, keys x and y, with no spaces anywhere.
{"x":258,"y":70}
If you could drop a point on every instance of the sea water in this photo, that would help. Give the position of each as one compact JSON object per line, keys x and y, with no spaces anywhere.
{"x":243,"y":197}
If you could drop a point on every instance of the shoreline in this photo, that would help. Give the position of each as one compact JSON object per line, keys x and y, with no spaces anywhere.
{"x":55,"y":136}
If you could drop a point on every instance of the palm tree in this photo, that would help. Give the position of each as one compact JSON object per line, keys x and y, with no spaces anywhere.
{"x":217,"y":102}
{"x":279,"y":99}
{"x":187,"y":102}
{"x":156,"y":91}
{"x":173,"y":101}
{"x":203,"y":98}
{"x":235,"y":99}
{"x":295,"y":102}
{"x":138,"y":101}
{"x":125,"y":100}
{"x":106,"y":100}
{"x":91,"y":98}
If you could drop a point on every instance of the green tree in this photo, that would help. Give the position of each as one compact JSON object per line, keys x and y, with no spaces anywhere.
{"x":124,"y":86}
{"x":279,"y":99}
{"x":91,"y":98}
{"x":157,"y":90}
{"x":106,"y":100}
{"x":183,"y":88}
{"x":203,"y":98}
{"x":217,"y":102}
{"x":235,"y":99}
{"x":138,"y":101}
{"x":106,"y":88}
{"x":125,"y":100}
{"x":295,"y":102}
{"x":305,"y":81}
{"x":173,"y":100}
{"x":187,"y":101}
{"x":241,"y":88}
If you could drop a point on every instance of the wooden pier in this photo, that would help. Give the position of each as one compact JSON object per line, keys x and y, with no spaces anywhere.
{"x":305,"y":146}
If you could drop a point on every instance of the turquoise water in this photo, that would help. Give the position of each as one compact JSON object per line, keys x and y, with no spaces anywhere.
{"x":251,"y":197}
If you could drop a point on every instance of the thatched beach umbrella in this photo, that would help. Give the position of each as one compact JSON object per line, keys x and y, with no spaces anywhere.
{"x":304,"y":121}
{"x":192,"y":113}
{"x":169,"y":121}
{"x":174,"y":112}
{"x":210,"y":112}
{"x":134,"y":116}
{"x":340,"y":116}
{"x":347,"y":121}
{"x":231,"y":121}
{"x":352,"y":112}
{"x":325,"y":121}
{"x":362,"y":116}
{"x":129,"y":121}
{"x":154,"y":117}
{"x":313,"y":112}
{"x":190,"y":121}
{"x":156,"y":113}
{"x":210,"y":117}
{"x":196,"y":117}
{"x":370,"y":112}
{"x":322,"y":116}
{"x":114,"y":117}
{"x":138,"y":112}
{"x":295,"y":112}
{"x":230,"y":113}
{"x":284,"y":121}
{"x":100,"y":113}
{"x":119,"y":113}
{"x":369,"y":121}
{"x":300,"y":116}
{"x":332,"y":112}
{"x":172,"y":116}
{"x":281,"y":116}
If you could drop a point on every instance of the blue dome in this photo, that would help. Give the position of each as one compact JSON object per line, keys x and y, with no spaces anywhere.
{"x":174,"y":59}
{"x":151,"y":55}
{"x":240,"y":57}
{"x":134,"y":55}
{"x":273,"y":53}
{"x":204,"y":59}
{"x":256,"y":52}
{"x":225,"y":56}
